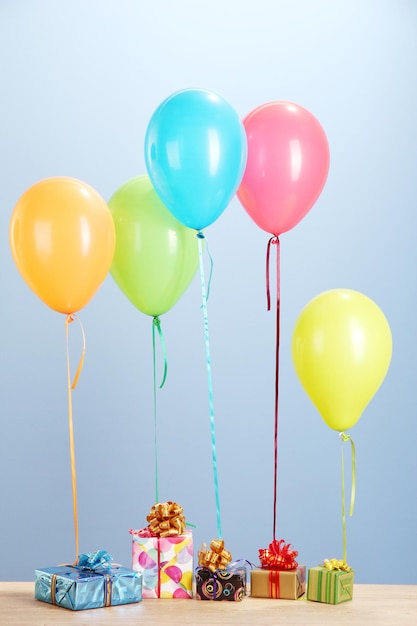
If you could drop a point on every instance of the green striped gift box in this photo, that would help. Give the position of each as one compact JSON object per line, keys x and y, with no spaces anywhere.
{"x":329,"y":586}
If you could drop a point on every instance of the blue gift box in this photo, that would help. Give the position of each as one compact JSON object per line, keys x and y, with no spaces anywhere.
{"x":75,"y":588}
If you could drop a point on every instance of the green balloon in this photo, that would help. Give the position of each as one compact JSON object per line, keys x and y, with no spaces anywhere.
{"x":156,"y":256}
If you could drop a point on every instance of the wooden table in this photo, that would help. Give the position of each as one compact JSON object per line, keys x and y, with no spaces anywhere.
{"x":376,"y":605}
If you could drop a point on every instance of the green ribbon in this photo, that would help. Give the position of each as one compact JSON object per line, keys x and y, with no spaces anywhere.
{"x":157,"y":324}
{"x":345,"y":438}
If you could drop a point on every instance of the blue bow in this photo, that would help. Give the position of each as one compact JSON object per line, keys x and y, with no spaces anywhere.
{"x":94,"y":561}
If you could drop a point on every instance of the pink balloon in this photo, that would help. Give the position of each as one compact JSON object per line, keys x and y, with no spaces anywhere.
{"x":287,"y":165}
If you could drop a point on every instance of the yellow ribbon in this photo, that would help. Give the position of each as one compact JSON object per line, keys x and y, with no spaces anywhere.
{"x":336,"y":564}
{"x":344,"y":438}
{"x":68,"y":320}
{"x":217,"y":557}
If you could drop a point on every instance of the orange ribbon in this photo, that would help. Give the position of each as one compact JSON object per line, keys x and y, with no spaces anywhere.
{"x":68,"y":320}
{"x":278,"y":556}
{"x":217,"y":557}
{"x":166,"y":519}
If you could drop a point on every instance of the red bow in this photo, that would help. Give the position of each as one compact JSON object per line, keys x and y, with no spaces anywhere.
{"x":278,"y":556}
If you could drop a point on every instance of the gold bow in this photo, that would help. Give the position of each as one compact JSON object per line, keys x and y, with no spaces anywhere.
{"x":336,"y":564}
{"x":166,"y":519}
{"x":217,"y":557}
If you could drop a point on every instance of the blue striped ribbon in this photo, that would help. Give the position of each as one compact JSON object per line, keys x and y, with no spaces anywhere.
{"x":200,"y":238}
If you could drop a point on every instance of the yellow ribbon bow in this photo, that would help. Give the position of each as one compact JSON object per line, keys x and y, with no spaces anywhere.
{"x":217,"y":557}
{"x":336,"y":564}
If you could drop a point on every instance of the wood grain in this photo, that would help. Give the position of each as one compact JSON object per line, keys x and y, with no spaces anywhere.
{"x":376,"y":605}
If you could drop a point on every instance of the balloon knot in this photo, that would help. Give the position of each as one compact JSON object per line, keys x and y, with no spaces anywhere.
{"x":200,"y":235}
{"x":156,"y":320}
{"x":344,"y":436}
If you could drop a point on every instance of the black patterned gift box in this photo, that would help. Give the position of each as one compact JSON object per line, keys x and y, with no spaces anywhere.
{"x":228,"y":584}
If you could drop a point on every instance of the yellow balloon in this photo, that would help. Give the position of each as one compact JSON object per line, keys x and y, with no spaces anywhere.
{"x":341,"y":349}
{"x":62,"y":239}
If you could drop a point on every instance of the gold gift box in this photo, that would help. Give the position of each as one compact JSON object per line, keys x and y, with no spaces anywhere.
{"x":284,"y":585}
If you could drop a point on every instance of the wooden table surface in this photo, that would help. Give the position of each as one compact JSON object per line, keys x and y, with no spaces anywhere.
{"x":379,"y":605}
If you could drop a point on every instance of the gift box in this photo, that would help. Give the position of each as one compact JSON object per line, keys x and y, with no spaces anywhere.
{"x":272,"y":583}
{"x":280,"y":575}
{"x":330,"y":586}
{"x":228,"y":584}
{"x":166,"y":563}
{"x":76,"y":588}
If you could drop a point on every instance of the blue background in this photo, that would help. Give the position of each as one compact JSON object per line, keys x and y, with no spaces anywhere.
{"x":79,"y":83}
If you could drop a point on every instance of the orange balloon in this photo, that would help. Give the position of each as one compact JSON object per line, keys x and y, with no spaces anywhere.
{"x":62,"y":238}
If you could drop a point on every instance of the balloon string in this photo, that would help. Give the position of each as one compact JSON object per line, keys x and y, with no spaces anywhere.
{"x":268,"y":291}
{"x":211,"y":269}
{"x":200,"y":238}
{"x":344,"y":438}
{"x":156,"y":323}
{"x":81,"y":363}
{"x":68,"y":320}
{"x":275,"y":241}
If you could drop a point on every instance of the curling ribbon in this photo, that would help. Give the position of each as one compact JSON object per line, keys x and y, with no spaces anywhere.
{"x":156,"y":323}
{"x":200,"y":238}
{"x":211,"y":267}
{"x":68,"y":320}
{"x":216,"y":557}
{"x":275,"y":241}
{"x":344,"y":438}
{"x":278,"y":556}
{"x":336,"y":564}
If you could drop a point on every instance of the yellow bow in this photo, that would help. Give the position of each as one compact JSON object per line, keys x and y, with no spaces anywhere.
{"x":336,"y":564}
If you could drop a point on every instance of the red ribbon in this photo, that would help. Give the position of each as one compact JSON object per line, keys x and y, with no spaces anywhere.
{"x":274,"y":589}
{"x":143,"y":532}
{"x":278,"y":556}
{"x":275,"y":241}
{"x":158,"y":591}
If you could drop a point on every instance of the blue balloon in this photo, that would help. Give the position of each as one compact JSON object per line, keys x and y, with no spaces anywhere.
{"x":195,"y":154}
